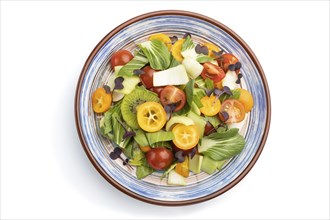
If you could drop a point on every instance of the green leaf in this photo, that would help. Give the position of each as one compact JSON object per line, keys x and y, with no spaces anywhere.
{"x":143,"y":171}
{"x":200,"y":82}
{"x":222,"y":146}
{"x":198,"y":95}
{"x":202,"y":58}
{"x":189,"y":89}
{"x":168,"y":170}
{"x":137,"y":156}
{"x":209,"y":84}
{"x":138,"y":61}
{"x":106,"y":120}
{"x":157,"y":54}
{"x":174,"y":62}
{"x":159,"y":136}
{"x":214,"y":120}
{"x":141,"y":138}
{"x":188,"y":44}
{"x":235,"y":95}
{"x":166,"y":144}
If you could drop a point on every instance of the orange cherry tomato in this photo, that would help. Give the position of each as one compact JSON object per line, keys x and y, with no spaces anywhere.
{"x":235,"y":110}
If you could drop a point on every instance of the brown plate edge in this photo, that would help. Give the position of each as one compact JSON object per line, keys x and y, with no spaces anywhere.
{"x":109,"y":178}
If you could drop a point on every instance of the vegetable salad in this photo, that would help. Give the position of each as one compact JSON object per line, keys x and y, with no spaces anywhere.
{"x":169,"y":107}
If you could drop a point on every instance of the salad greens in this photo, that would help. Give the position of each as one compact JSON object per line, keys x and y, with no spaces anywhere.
{"x":139,"y":61}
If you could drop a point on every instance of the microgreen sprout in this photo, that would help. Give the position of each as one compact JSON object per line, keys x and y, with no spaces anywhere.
{"x":179,"y":156}
{"x":138,"y":72}
{"x":239,"y":77}
{"x":174,"y":39}
{"x":107,"y":89}
{"x":201,"y":49}
{"x":127,"y":132}
{"x":119,"y":83}
{"x":169,"y":109}
{"x":217,"y":54}
{"x":116,"y":153}
{"x":186,"y":35}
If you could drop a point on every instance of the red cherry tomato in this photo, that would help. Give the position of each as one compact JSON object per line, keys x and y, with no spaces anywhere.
{"x":235,"y":110}
{"x":172,"y":94}
{"x":147,"y":77}
{"x":157,"y":89}
{"x":121,"y":57}
{"x":159,"y":158}
{"x":225,"y":60}
{"x":213,"y":72}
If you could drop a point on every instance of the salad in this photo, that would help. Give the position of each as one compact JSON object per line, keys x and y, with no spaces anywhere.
{"x":172,"y":107}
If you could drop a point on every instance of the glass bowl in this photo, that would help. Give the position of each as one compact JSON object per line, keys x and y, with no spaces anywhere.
{"x":152,"y":189}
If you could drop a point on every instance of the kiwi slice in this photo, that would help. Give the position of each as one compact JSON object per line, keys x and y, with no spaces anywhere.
{"x":132,"y":100}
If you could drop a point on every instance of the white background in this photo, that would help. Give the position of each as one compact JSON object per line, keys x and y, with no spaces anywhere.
{"x":44,"y":170}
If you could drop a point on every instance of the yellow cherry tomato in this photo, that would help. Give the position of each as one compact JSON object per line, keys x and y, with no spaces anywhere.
{"x":185,"y":137}
{"x":211,"y":48}
{"x":211,"y":105}
{"x":163,"y":38}
{"x":176,"y":50}
{"x":246,"y":99}
{"x":151,"y":116}
{"x":101,"y":100}
{"x":183,"y":168}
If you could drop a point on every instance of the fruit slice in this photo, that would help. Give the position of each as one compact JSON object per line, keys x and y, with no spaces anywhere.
{"x":211,"y":105}
{"x":151,"y":116}
{"x":173,"y":95}
{"x":175,"y":179}
{"x":198,"y":121}
{"x":235,"y":110}
{"x":131,"y":101}
{"x":211,"y":47}
{"x":172,"y":76}
{"x":101,"y":100}
{"x":178,"y":120}
{"x":213,"y":72}
{"x":183,"y":168}
{"x":185,"y":137}
{"x":246,"y":99}
{"x":193,"y":68}
{"x":176,"y":50}
{"x":163,"y":38}
{"x":195,"y":164}
{"x":209,"y":165}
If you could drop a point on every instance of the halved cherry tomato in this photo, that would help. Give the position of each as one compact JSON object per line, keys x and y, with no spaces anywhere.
{"x":147,"y":77}
{"x":225,"y":60}
{"x":121,"y":57}
{"x":172,"y":94}
{"x":185,"y":137}
{"x":163,"y":38}
{"x":183,"y":168}
{"x":151,"y":116}
{"x":157,"y":89}
{"x":159,"y":158}
{"x":211,"y":105}
{"x":246,"y":99}
{"x":213,"y":72}
{"x":211,"y":47}
{"x":235,"y":110}
{"x":176,"y":50}
{"x":101,"y":100}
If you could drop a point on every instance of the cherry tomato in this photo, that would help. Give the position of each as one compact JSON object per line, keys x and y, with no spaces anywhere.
{"x":159,"y":158}
{"x":157,"y":89}
{"x":213,"y":72}
{"x":246,"y":99}
{"x":121,"y":57}
{"x":172,"y":94}
{"x":225,"y":60}
{"x":147,"y":77}
{"x":209,"y":129}
{"x":235,"y":110}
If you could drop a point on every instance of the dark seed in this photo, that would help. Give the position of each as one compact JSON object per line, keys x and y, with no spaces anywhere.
{"x":186,"y":35}
{"x":174,"y":39}
{"x":179,"y":156}
{"x":240,"y":76}
{"x":232,"y":67}
{"x":238,"y":65}
{"x":119,"y":83}
{"x":224,"y":116}
{"x":138,"y":72}
{"x":107,"y":89}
